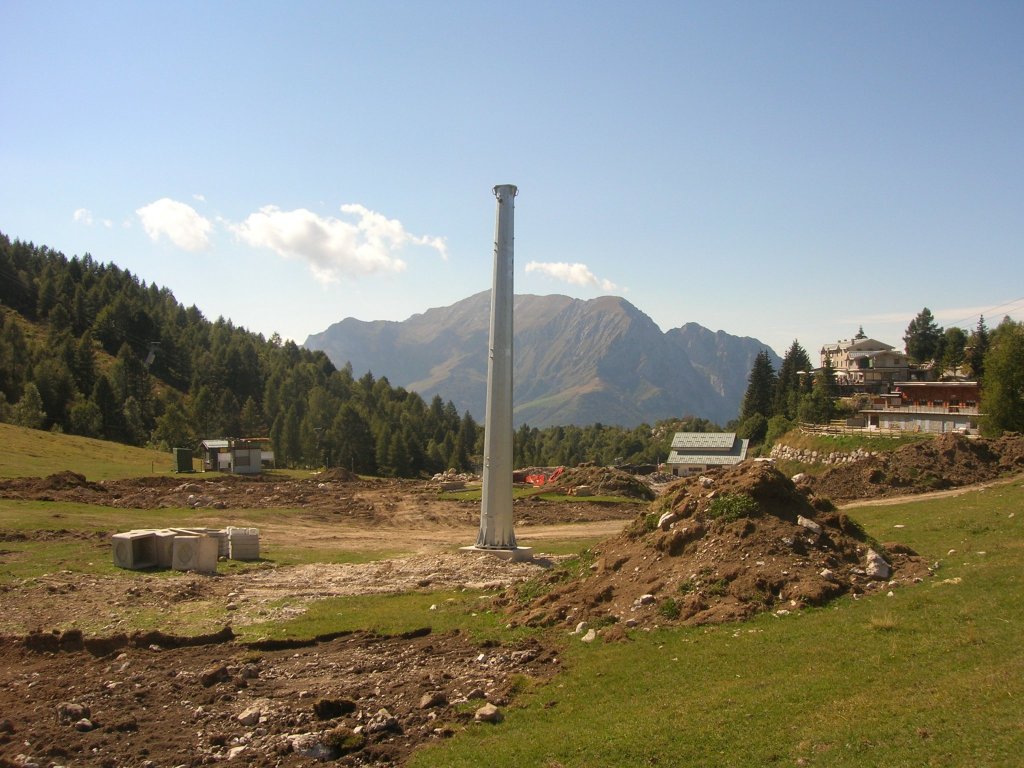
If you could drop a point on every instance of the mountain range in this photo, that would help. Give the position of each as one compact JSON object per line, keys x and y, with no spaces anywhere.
{"x":575,"y":361}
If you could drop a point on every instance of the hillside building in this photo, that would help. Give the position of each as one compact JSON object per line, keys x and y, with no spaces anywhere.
{"x":926,"y":406}
{"x":242,"y":456}
{"x":694,"y":452}
{"x":868,"y":364}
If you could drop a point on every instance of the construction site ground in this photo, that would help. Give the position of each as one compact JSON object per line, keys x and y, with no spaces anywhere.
{"x":78,"y":687}
{"x":161,"y":699}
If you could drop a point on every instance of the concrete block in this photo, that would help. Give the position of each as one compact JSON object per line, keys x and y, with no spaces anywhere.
{"x":134,"y":549}
{"x":194,"y":553}
{"x":164,"y":547}
{"x":215,"y":533}
{"x":243,"y":543}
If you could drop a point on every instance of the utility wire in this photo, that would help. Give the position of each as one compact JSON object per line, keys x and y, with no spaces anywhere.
{"x":1013,"y":304}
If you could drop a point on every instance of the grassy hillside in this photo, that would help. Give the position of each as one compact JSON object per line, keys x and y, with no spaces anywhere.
{"x":932,"y":675}
{"x":34,"y":453}
{"x":851,"y":442}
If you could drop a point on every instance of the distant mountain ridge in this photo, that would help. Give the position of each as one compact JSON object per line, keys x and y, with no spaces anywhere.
{"x":576,"y":361}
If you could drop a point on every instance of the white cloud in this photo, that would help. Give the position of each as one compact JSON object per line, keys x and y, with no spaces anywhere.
{"x":178,"y":222}
{"x":332,"y":247}
{"x":84,"y":216}
{"x":574,"y":274}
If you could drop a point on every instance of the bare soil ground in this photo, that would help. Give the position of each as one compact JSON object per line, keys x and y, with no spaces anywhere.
{"x":107,"y":697}
{"x":948,"y":461}
{"x":147,"y":701}
{"x":715,"y":548}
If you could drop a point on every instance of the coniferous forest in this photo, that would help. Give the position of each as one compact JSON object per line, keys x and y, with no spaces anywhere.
{"x":90,"y":349}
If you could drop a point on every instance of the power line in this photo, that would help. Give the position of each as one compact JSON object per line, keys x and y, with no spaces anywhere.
{"x":1013,"y":304}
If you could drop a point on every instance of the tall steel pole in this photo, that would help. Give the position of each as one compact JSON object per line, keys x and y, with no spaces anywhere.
{"x":496,"y":503}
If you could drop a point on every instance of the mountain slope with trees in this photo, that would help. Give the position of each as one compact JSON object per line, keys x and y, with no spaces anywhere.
{"x":91,"y":349}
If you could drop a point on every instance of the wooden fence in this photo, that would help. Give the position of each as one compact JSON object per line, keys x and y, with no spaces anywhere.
{"x":841,"y":428}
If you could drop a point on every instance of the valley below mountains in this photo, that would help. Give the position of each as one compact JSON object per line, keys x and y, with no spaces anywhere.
{"x":575,"y":361}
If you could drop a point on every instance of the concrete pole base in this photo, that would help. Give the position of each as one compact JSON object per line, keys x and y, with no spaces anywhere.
{"x":516,"y":554}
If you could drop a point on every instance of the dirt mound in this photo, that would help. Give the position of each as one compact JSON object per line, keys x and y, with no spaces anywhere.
{"x":61,"y":481}
{"x":66,"y":479}
{"x":337,"y":475}
{"x":718,"y":548}
{"x":146,"y":700}
{"x":948,"y":461}
{"x":604,"y":481}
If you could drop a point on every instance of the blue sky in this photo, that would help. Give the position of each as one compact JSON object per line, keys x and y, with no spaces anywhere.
{"x":778,"y":170}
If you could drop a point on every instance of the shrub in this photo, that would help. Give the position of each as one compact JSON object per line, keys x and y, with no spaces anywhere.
{"x":717,"y":588}
{"x":687,"y":586}
{"x":669,"y":609}
{"x":732,"y":506}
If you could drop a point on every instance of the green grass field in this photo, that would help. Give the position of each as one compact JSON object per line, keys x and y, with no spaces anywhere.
{"x":33,"y":453}
{"x":931,"y":676}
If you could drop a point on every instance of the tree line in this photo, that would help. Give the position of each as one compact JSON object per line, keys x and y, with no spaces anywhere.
{"x":90,"y":349}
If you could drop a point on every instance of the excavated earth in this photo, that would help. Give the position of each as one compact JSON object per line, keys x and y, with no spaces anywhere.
{"x":715,"y":548}
{"x":948,"y":461}
{"x":157,"y":700}
{"x":77,"y":688}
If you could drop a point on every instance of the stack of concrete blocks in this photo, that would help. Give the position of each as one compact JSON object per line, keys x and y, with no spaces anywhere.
{"x":243,"y":543}
{"x":184,"y":549}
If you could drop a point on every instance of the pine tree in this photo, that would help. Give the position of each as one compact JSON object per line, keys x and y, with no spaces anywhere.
{"x":204,"y":414}
{"x":398,"y":455}
{"x":172,"y":428}
{"x":953,"y":350}
{"x":1002,"y":399}
{"x":978,"y":347}
{"x":85,"y":419}
{"x":760,"y":388}
{"x":84,"y":365}
{"x":793,"y":381}
{"x":355,"y":448}
{"x":105,"y":400}
{"x":55,"y":384}
{"x":28,"y":412}
{"x":290,"y":436}
{"x":15,"y":360}
{"x":134,"y":426}
{"x":251,"y":419}
{"x":923,"y":337}
{"x":819,"y":406}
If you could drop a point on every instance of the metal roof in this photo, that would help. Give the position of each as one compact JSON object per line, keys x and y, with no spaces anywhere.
{"x":214,"y":443}
{"x":714,"y":441}
{"x":736,"y":453}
